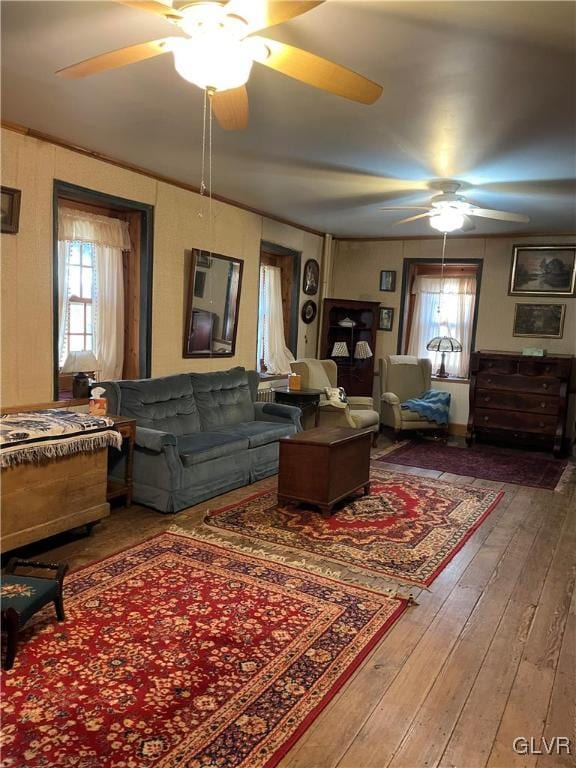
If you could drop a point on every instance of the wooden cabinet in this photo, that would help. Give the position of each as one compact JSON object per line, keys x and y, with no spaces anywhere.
{"x":355,"y":374}
{"x":519,"y":399}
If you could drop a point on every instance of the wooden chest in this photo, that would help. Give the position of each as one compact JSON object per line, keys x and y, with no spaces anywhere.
{"x":519,"y":399}
{"x":324,"y":465}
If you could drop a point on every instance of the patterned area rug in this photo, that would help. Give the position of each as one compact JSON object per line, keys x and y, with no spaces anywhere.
{"x":506,"y":465}
{"x":180,"y":653}
{"x":406,"y":530}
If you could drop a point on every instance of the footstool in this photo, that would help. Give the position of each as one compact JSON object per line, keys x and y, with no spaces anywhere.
{"x":24,"y":595}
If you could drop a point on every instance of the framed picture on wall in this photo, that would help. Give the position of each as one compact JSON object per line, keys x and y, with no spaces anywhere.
{"x":543,"y":270}
{"x":539,"y":320}
{"x":311,"y":277}
{"x":10,"y":210}
{"x":386,"y":318}
{"x":388,"y":280}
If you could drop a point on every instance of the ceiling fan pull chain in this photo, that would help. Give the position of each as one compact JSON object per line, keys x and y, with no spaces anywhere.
{"x":442,"y":276}
{"x":203,"y":177}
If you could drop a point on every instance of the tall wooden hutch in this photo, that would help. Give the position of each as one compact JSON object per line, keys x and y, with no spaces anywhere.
{"x":350,"y":322}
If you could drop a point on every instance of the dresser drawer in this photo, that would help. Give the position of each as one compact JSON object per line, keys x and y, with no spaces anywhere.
{"x":519,"y":383}
{"x":510,"y":401}
{"x":525,"y":422}
{"x":548,"y":368}
{"x":498,"y":365}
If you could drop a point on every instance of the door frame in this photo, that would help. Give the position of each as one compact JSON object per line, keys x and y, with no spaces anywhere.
{"x":280,"y":250}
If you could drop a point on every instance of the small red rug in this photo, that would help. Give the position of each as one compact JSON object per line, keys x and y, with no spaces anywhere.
{"x":181,"y":653}
{"x":407,"y":529}
{"x":506,"y":465}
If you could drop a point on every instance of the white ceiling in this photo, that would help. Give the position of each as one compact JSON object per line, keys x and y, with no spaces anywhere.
{"x":482,"y":92}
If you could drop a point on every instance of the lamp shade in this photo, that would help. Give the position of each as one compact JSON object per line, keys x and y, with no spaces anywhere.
{"x":340,"y":349}
{"x":81,"y":361}
{"x":444,"y":344}
{"x":362,"y":351}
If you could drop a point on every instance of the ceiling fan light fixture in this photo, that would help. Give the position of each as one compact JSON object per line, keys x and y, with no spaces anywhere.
{"x":213,"y":60}
{"x":447,"y":220}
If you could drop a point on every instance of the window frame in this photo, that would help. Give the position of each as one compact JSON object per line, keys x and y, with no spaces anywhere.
{"x":62,"y":192}
{"x":407,"y":266}
{"x":82,"y":301}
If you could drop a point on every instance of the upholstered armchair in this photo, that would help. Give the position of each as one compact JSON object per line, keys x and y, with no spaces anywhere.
{"x":357,"y":413}
{"x":400,"y":380}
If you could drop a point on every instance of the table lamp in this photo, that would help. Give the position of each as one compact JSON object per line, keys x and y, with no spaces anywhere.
{"x":340,"y":349}
{"x":362,"y":351}
{"x":79,"y":363}
{"x":443,"y":344}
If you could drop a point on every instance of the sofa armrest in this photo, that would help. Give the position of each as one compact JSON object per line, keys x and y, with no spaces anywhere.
{"x":358,"y":403}
{"x":153,"y":439}
{"x":279,"y":413}
{"x":390,"y":398}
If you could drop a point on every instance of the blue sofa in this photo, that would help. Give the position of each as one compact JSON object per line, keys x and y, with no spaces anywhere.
{"x":199,"y":434}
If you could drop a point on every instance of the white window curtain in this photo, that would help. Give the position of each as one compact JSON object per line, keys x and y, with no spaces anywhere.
{"x":272,"y":347}
{"x":110,"y":237}
{"x":456,"y":300}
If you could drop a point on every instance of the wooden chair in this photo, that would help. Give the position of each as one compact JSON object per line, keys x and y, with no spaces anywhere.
{"x":24,"y":595}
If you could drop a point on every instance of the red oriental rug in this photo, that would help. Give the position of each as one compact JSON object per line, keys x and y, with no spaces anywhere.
{"x":407,"y":529}
{"x":180,"y":653}
{"x":537,"y":469}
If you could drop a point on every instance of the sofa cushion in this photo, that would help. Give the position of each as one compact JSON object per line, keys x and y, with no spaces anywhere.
{"x":223,"y":398}
{"x":164,"y":403}
{"x":259,"y":432}
{"x":205,"y":446}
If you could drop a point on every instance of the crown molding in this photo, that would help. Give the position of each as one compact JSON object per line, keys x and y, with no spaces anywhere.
{"x":40,"y":136}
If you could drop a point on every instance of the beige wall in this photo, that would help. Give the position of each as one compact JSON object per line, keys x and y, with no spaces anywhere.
{"x":181,"y":222}
{"x":356,"y":275}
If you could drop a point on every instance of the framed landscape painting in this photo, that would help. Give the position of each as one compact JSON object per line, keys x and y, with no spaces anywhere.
{"x":539,"y":320}
{"x":543,"y":270}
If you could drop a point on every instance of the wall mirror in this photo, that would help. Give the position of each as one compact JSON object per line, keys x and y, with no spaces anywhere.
{"x":213,"y":302}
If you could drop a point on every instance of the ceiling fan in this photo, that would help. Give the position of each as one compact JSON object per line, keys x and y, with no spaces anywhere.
{"x":449,"y":211}
{"x":218,"y":48}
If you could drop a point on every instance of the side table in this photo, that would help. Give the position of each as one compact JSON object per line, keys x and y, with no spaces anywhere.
{"x":308,"y":400}
{"x":127,"y":428}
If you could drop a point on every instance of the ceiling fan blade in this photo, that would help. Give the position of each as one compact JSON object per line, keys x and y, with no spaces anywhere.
{"x":231,"y":108}
{"x":468,"y":224}
{"x":411,"y":218}
{"x":320,"y":73}
{"x":487,"y":213}
{"x":261,"y":14}
{"x":114,"y":59}
{"x":405,"y":208}
{"x":160,"y":9}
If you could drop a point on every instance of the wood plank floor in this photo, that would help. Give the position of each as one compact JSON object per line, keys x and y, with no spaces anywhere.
{"x":487,"y":656}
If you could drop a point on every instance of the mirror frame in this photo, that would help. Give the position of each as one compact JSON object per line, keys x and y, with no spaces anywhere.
{"x":196,"y":253}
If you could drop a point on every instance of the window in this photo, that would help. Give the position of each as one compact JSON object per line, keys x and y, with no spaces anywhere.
{"x":80,"y":293}
{"x":441,"y":305}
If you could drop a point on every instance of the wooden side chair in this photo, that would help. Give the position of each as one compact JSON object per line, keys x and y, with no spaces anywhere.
{"x":24,"y":595}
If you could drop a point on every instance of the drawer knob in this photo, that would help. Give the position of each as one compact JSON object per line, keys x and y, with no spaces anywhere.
{"x":487,"y":399}
{"x":542,"y":405}
{"x":486,"y":418}
{"x":544,"y":386}
{"x":541,"y":424}
{"x":489,"y":381}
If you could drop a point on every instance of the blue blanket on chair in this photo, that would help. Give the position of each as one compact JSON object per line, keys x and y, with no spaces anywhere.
{"x":432,"y":405}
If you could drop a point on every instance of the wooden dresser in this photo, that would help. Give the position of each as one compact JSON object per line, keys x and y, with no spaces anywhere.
{"x":519,"y":399}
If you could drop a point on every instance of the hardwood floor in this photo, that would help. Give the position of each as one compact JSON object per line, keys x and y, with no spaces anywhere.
{"x":488,"y":654}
